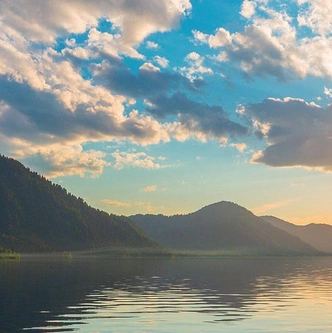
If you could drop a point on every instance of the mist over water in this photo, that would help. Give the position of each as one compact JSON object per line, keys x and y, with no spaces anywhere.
{"x":166,"y":295}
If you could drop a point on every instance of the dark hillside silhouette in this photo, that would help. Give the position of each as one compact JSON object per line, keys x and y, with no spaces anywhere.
{"x":39,"y":216}
{"x":223,"y":226}
{"x":317,"y":235}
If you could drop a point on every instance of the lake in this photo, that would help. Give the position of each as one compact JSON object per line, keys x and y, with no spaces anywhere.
{"x":166,"y":295}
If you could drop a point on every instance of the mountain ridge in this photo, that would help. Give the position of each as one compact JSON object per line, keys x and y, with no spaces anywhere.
{"x":220,"y":226}
{"x":39,"y":216}
{"x":319,"y":235}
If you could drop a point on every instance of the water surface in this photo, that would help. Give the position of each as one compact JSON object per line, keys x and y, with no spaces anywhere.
{"x":166,"y":295}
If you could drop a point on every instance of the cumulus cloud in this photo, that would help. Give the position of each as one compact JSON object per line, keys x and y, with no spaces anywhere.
{"x":195,"y":118}
{"x":241,"y":147}
{"x":64,"y":83}
{"x":58,"y":160}
{"x":151,"y":188}
{"x":161,"y":61}
{"x":46,"y":101}
{"x":316,"y":14}
{"x":196,"y":69}
{"x":328,"y":92}
{"x":151,"y":45}
{"x":44,"y":20}
{"x":140,"y":159}
{"x":149,"y":80}
{"x":298,"y":133}
{"x":40,"y":117}
{"x":270,"y":44}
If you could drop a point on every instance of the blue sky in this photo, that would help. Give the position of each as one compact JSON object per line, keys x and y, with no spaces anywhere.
{"x":158,"y":106}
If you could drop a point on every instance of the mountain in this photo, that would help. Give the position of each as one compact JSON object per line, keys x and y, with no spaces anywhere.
{"x":317,"y":235}
{"x":222,"y":226}
{"x":38,"y":216}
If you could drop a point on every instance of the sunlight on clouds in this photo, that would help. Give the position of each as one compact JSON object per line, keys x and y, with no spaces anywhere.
{"x":317,"y":16}
{"x":132,"y":207}
{"x":60,"y":161}
{"x":270,"y":46}
{"x":241,"y":147}
{"x":196,"y":68}
{"x":161,"y":61}
{"x":116,"y":203}
{"x":141,"y":160}
{"x":265,"y":208}
{"x":328,"y":92}
{"x":151,"y":45}
{"x":151,"y":188}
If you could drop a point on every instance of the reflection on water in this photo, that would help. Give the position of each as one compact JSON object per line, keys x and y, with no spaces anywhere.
{"x":166,"y":295}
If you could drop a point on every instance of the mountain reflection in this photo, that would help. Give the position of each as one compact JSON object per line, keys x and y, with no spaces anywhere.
{"x":61,"y":295}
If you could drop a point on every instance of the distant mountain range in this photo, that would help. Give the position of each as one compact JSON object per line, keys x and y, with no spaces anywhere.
{"x":317,"y":235}
{"x":221,"y":227}
{"x":38,"y":216}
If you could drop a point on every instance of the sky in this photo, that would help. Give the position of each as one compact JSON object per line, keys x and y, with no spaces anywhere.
{"x":165,"y":106}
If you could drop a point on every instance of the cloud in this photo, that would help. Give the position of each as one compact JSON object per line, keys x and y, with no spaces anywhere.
{"x":298,"y":133}
{"x":263,"y":209}
{"x":248,"y":8}
{"x":138,"y":206}
{"x":271,"y":44}
{"x":196,"y":69}
{"x":161,"y":61}
{"x":135,"y":20}
{"x":149,"y":81}
{"x":140,"y":160}
{"x":316,"y":14}
{"x":151,"y":188}
{"x":40,"y":116}
{"x":328,"y":92}
{"x":116,"y":203}
{"x":194,"y":118}
{"x":65,"y":83}
{"x":151,"y":45}
{"x":60,"y":161}
{"x":221,"y":38}
{"x":241,"y":147}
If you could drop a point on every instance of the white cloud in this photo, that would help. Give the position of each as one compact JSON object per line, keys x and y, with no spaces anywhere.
{"x":196,"y":68}
{"x":135,"y":20}
{"x":221,"y":38}
{"x":316,"y":14}
{"x":328,"y":92}
{"x":270,"y":44}
{"x":134,"y":206}
{"x":49,"y":110}
{"x":161,"y":61}
{"x":61,"y":160}
{"x":116,"y":203}
{"x":149,"y":67}
{"x":151,"y":45}
{"x":265,"y":208}
{"x":140,"y":160}
{"x":151,"y":188}
{"x":248,"y":8}
{"x":241,"y":147}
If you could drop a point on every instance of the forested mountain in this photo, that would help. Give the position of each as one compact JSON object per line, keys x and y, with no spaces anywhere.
{"x":222,"y":226}
{"x":36,"y":215}
{"x":317,"y":235}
